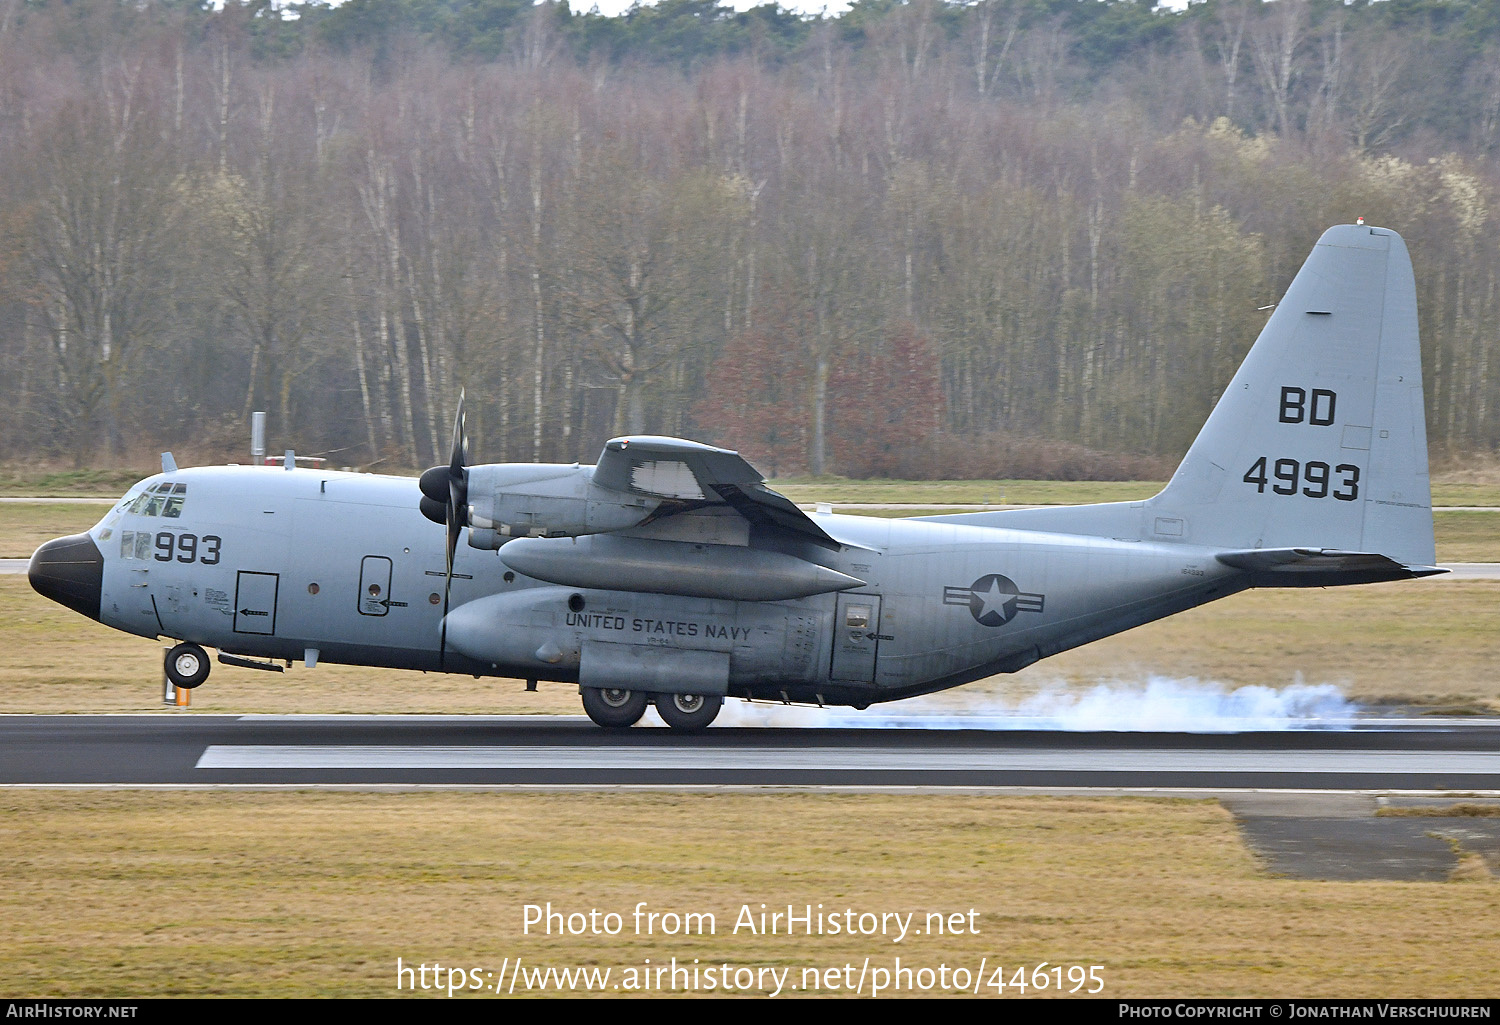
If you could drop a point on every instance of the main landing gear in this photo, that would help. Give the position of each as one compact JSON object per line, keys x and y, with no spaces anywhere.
{"x":614,"y":708}
{"x":187,"y":665}
{"x":689,"y":713}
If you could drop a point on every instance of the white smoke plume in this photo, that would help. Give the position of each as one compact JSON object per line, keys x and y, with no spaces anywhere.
{"x":1157,"y":705}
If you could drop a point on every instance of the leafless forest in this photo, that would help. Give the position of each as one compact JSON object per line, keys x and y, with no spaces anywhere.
{"x":922,"y":239}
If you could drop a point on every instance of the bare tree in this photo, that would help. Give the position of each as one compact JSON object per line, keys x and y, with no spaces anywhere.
{"x":1227,"y":34}
{"x":1276,"y":43}
{"x":995,"y":33}
{"x":103,"y":218}
{"x":1373,"y":100}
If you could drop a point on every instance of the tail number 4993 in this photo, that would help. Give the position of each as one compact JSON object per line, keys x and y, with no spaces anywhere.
{"x":1314,"y":478}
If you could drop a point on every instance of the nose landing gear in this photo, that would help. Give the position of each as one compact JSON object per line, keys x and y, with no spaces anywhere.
{"x":187,"y":665}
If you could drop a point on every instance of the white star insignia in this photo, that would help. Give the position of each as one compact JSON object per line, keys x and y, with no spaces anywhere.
{"x":993,"y":600}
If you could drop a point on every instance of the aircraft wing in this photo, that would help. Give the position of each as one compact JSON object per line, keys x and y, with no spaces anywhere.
{"x":679,"y":471}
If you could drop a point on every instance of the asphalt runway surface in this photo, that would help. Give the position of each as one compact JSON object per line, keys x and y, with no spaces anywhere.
{"x":1310,"y":803}
{"x":185,"y":748}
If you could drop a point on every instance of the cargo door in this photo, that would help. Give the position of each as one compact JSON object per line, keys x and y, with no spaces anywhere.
{"x":856,"y":638}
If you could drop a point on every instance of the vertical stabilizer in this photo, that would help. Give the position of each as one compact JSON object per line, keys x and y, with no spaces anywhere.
{"x":1319,"y":441}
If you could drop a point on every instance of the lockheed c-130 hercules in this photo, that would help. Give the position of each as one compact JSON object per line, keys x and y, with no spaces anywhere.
{"x":669,"y":573}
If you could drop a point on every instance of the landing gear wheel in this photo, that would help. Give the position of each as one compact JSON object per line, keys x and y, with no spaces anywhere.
{"x":614,"y":708}
{"x":688,"y":713}
{"x":187,"y":666}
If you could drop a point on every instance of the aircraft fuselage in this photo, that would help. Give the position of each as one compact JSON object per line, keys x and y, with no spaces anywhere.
{"x":271,"y":563}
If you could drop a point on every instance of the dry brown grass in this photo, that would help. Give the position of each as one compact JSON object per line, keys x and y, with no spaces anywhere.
{"x":24,"y":525}
{"x":317,"y":894}
{"x":1470,"y":866}
{"x":1440,"y":811}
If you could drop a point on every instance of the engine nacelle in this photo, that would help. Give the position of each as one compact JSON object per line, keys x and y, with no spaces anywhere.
{"x":546,"y":500}
{"x":674,"y":567}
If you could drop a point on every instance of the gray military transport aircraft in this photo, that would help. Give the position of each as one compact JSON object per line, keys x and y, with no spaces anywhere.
{"x":670,"y":573}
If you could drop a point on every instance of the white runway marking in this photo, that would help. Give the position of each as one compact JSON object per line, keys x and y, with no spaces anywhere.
{"x":290,"y":756}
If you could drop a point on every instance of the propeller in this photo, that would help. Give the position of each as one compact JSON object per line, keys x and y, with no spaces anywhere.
{"x":445,"y":500}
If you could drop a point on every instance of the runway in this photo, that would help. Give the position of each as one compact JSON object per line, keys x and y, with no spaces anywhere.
{"x":186,"y":749}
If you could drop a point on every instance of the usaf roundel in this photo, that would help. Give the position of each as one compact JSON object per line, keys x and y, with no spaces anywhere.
{"x":993,"y":600}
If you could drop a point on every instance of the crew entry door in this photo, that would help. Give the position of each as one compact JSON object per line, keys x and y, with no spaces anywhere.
{"x":255,"y":602}
{"x":856,"y":638}
{"x":374,"y":585}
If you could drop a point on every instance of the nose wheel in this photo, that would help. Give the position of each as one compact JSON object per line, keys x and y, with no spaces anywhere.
{"x":187,"y":665}
{"x":688,"y":713}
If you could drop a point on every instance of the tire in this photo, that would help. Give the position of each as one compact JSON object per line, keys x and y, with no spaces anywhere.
{"x":187,"y":665}
{"x":688,"y":713}
{"x":613,"y":708}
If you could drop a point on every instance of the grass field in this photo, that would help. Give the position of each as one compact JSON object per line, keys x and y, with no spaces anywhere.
{"x":318,"y":894}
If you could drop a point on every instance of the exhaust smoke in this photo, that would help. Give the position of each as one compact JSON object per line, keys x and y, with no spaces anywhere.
{"x":1158,"y":705}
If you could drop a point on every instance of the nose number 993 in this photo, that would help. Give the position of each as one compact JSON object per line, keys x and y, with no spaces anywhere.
{"x":187,"y":547}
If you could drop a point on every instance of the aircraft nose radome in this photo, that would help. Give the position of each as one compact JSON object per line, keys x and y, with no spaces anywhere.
{"x":70,"y":571}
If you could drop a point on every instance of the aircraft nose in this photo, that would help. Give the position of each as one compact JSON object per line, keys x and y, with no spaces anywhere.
{"x":70,"y":571}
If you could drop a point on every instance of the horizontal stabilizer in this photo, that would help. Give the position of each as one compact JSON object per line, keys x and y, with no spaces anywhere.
{"x":1321,"y":567}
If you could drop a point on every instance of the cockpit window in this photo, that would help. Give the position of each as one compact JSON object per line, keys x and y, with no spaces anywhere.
{"x":105,"y":528}
{"x":164,"y":498}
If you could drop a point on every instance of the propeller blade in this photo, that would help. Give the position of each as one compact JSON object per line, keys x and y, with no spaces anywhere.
{"x":460,"y":457}
{"x":456,"y":509}
{"x":447,"y":592}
